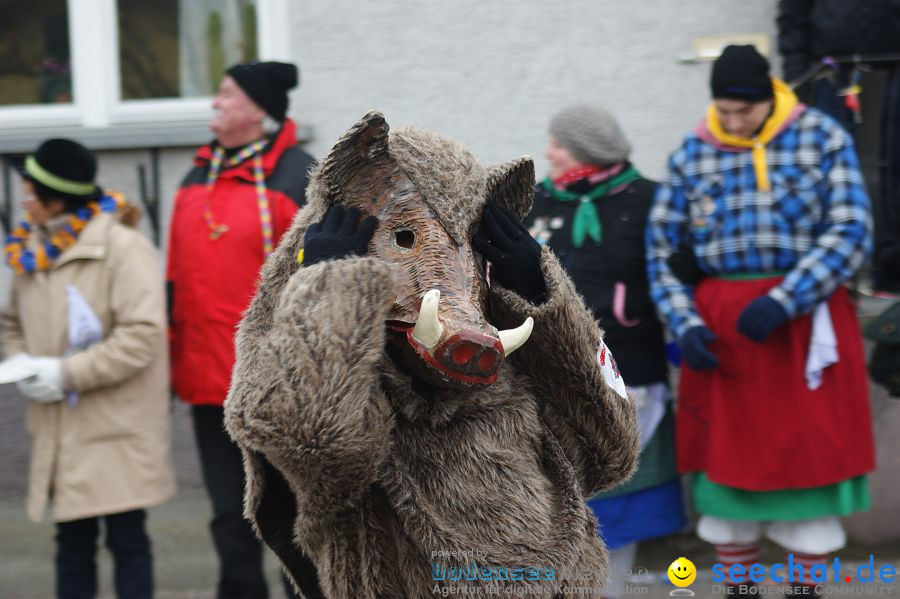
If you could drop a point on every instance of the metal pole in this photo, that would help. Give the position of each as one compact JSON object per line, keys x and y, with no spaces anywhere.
{"x":150,"y":197}
{"x":6,"y":212}
{"x":154,"y":171}
{"x":827,"y":61}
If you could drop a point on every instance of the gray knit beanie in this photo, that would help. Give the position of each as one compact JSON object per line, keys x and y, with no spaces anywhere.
{"x":590,"y":134}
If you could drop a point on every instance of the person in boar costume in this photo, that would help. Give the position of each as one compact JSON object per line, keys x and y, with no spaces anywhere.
{"x":393,"y":445}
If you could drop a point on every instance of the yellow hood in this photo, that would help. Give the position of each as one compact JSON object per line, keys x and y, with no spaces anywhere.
{"x":784,"y":112}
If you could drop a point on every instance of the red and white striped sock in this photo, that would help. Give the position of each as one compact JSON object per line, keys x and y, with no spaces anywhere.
{"x":807,"y":560}
{"x":729,"y":554}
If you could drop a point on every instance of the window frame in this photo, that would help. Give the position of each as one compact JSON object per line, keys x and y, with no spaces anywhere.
{"x":94,"y":57}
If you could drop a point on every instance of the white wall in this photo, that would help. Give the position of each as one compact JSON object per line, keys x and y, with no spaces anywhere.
{"x":492,"y":74}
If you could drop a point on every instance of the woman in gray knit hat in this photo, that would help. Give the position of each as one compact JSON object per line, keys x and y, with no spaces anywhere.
{"x":592,"y":210}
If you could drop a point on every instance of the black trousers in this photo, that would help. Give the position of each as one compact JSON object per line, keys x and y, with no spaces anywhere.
{"x":825,"y":95}
{"x":240,"y":553}
{"x":126,"y":539}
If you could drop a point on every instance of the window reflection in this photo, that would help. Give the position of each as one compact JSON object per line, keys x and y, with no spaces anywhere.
{"x":180,"y":48}
{"x":34,"y":52}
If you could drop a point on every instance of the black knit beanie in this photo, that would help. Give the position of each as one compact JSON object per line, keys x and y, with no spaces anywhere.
{"x":267,"y":84}
{"x":64,"y":166}
{"x":741,"y":73}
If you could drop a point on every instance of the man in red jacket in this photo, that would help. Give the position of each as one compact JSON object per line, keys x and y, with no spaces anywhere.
{"x":230,"y":211}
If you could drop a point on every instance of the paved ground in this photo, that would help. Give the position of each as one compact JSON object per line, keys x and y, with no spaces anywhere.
{"x":183,"y":552}
{"x":186,"y":568}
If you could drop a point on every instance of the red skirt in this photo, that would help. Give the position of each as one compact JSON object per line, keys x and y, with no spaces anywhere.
{"x":753,"y":423}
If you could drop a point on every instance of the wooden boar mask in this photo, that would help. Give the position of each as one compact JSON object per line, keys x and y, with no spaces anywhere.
{"x":428,"y":193}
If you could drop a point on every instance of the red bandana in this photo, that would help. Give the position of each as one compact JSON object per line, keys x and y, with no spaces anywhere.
{"x":593,"y":173}
{"x":575,"y":174}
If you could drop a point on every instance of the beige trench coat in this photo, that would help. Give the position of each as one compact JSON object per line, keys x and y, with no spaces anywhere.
{"x":110,"y":452}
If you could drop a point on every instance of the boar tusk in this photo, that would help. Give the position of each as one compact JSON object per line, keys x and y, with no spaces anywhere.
{"x":428,"y":329}
{"x":513,"y":339}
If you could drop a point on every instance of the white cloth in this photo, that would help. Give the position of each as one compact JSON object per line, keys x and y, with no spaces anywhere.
{"x":817,"y":535}
{"x":84,"y":328}
{"x":822,"y":346}
{"x":650,"y":401}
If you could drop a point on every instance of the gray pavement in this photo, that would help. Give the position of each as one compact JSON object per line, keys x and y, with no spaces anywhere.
{"x":185,"y":562}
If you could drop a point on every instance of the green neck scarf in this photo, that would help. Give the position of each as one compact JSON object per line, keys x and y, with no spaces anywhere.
{"x":587,"y":221}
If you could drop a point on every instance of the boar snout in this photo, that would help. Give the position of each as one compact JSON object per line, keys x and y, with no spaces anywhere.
{"x":458,"y":351}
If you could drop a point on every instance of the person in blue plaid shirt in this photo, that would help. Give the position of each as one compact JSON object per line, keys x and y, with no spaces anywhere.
{"x":761,"y":219}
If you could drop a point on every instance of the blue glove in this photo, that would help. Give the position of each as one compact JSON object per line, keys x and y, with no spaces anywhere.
{"x":760,"y":318}
{"x":693,"y":345}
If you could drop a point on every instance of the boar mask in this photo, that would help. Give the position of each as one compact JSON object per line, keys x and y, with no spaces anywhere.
{"x":428,"y":193}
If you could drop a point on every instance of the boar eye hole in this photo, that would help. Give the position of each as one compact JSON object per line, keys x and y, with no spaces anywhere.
{"x":404,"y":238}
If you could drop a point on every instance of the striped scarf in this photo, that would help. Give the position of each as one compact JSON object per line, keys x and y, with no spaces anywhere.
{"x":253,"y":150}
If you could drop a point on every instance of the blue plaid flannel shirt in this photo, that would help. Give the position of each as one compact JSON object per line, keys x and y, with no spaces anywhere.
{"x":814,"y":224}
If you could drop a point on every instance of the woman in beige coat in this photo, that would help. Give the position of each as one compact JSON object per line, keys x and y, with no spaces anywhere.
{"x":85,"y":326}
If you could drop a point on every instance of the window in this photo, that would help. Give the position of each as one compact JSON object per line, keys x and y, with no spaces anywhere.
{"x":116,"y":63}
{"x":180,"y":48}
{"x":34,"y":53}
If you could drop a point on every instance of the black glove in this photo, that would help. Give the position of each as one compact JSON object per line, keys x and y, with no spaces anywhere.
{"x":760,"y":318}
{"x":514,"y":255}
{"x":693,"y":347}
{"x":340,"y":234}
{"x":683,"y":264}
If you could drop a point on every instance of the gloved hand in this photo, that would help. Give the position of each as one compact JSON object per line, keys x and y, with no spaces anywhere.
{"x":693,"y":345}
{"x":46,"y":385}
{"x":514,"y":255}
{"x":760,"y":318}
{"x":340,"y":234}
{"x":683,"y":264}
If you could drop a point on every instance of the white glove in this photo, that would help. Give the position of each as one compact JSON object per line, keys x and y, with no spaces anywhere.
{"x":46,"y":385}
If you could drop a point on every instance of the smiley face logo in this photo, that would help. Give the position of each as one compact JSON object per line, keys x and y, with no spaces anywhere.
{"x":682,"y":572}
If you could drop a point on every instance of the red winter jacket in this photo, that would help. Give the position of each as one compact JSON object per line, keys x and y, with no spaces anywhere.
{"x":211,"y":282}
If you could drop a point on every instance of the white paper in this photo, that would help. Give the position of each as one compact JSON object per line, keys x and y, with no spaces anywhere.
{"x":15,"y":369}
{"x":84,"y":326}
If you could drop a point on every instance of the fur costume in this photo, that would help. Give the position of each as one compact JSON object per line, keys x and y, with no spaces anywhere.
{"x":368,"y":482}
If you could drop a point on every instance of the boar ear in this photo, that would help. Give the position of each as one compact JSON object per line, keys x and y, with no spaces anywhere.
{"x":362,"y":148}
{"x":511,"y":185}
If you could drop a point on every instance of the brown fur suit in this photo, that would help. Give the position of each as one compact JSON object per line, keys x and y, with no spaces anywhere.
{"x":355,"y":475}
